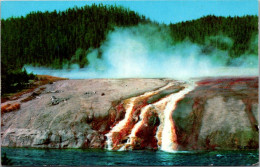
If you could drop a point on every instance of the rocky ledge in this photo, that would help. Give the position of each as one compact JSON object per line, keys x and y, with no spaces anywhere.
{"x":220,"y":113}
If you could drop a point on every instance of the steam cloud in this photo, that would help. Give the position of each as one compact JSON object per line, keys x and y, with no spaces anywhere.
{"x":148,"y":51}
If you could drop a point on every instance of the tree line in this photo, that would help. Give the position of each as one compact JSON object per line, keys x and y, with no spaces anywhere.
{"x":54,"y":38}
{"x":240,"y":30}
{"x":49,"y":38}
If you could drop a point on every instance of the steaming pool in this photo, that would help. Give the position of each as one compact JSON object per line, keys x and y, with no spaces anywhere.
{"x":77,"y":157}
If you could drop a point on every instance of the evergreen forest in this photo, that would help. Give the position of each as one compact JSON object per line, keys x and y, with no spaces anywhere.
{"x":51,"y":39}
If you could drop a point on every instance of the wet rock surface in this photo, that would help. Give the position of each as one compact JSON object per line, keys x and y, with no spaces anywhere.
{"x":220,"y":113}
{"x":70,"y":113}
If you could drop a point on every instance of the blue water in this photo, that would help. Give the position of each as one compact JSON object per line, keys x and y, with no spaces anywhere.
{"x":29,"y":157}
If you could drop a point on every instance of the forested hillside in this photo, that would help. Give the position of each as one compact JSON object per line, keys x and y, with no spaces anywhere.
{"x":53,"y":39}
{"x":50,"y":38}
{"x":239,"y":29}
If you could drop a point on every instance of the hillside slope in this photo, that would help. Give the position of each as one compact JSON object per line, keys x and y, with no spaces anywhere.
{"x":217,"y":114}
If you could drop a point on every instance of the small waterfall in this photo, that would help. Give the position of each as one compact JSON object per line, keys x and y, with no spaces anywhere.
{"x":141,"y":121}
{"x":138,"y":125}
{"x":109,"y":142}
{"x":129,"y":109}
{"x":165,"y":134}
{"x":168,"y":134}
{"x":120,"y":125}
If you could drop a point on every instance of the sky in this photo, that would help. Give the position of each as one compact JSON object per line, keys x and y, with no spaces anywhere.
{"x":161,"y":11}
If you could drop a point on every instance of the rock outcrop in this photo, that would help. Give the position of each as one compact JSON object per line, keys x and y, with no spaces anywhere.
{"x":79,"y":120}
{"x":220,"y":113}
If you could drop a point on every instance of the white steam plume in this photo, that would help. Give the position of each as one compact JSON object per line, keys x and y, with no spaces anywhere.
{"x":147,"y":51}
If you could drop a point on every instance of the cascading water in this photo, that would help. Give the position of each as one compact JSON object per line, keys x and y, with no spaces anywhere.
{"x":120,"y":125}
{"x":164,"y":107}
{"x":129,"y":111}
{"x":144,"y":110}
{"x":168,"y":134}
{"x":136,"y":127}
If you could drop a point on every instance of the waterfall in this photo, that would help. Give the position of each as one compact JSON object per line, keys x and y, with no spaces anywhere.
{"x":144,"y":110}
{"x":129,"y":111}
{"x":168,"y":134}
{"x":120,"y":125}
{"x":165,"y":134}
{"x":109,"y":142}
{"x":137,"y":126}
